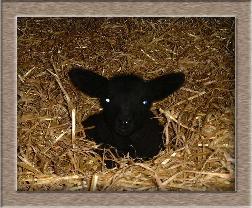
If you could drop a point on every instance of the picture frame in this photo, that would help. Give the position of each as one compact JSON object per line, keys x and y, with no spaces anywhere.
{"x":12,"y":9}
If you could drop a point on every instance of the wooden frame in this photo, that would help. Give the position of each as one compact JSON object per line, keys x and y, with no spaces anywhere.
{"x":12,"y":9}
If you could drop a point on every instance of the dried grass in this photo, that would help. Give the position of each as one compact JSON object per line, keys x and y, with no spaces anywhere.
{"x":52,"y":151}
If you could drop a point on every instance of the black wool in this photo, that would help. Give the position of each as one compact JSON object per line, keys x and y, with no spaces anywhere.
{"x":126,"y":122}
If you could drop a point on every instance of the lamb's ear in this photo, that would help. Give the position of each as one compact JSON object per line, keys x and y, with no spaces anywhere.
{"x":88,"y":82}
{"x":165,"y":85}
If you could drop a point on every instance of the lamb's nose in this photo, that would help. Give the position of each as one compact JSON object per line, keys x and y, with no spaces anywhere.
{"x":125,"y":122}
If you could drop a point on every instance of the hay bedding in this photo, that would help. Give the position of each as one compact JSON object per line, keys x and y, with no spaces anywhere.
{"x":198,"y":119}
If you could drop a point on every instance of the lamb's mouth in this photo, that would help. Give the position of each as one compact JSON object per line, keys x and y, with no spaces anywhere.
{"x":124,"y":131}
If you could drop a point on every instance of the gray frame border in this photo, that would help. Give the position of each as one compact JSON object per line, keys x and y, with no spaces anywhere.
{"x":8,"y":87}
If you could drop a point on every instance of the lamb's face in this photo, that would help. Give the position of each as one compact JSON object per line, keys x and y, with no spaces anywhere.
{"x":126,"y":104}
{"x":126,"y":99}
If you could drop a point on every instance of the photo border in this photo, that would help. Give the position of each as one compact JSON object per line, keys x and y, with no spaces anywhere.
{"x":11,"y":9}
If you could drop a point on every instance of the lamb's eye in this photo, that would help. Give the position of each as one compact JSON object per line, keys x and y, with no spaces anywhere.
{"x":145,"y":102}
{"x":107,"y":100}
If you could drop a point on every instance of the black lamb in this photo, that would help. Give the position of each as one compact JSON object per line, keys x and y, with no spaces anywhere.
{"x":126,"y":122}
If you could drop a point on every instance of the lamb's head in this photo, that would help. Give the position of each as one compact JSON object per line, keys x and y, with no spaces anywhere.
{"x":126,"y":99}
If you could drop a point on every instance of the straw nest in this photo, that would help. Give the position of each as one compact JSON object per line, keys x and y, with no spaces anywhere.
{"x":198,"y":120}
